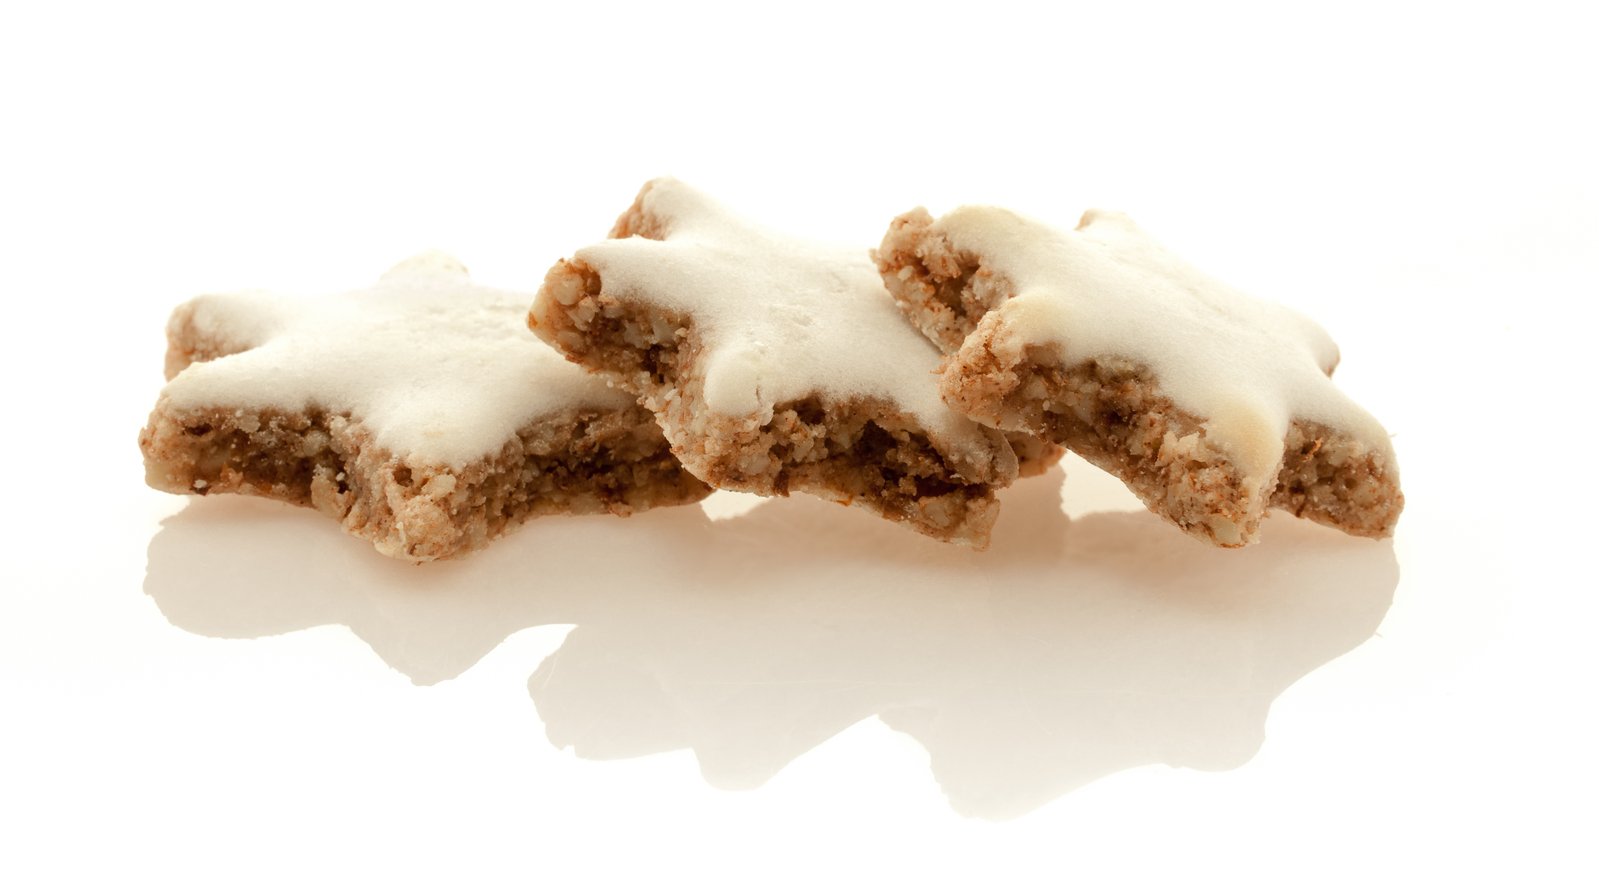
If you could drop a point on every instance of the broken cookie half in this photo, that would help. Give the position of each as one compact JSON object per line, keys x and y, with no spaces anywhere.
{"x":1212,"y":406}
{"x":776,"y":364}
{"x":419,"y":413}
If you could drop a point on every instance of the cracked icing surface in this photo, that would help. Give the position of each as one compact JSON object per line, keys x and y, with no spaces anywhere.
{"x":439,"y":370}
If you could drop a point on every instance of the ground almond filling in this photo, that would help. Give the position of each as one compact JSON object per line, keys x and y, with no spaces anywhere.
{"x":1113,"y":413}
{"x":943,"y":290}
{"x":602,"y":461}
{"x":862,"y":451}
{"x":1326,"y":478}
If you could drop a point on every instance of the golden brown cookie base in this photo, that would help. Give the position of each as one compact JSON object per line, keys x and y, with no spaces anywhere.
{"x":1113,"y":413}
{"x":855,"y":451}
{"x":601,"y":461}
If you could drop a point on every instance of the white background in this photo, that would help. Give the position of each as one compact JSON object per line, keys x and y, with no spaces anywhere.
{"x":220,"y":684}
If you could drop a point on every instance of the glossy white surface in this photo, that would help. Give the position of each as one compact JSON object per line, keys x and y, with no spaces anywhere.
{"x":221,"y":684}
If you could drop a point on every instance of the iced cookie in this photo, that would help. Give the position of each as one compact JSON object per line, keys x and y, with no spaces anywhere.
{"x":775,"y":364}
{"x":1210,"y":405}
{"x":420,"y":413}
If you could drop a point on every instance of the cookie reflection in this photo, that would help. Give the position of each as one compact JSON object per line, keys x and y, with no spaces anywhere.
{"x":238,"y":567}
{"x":1068,"y":651}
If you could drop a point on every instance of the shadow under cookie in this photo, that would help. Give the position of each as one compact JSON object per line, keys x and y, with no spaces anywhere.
{"x":1073,"y":654}
{"x":239,"y":568}
{"x":1069,"y":651}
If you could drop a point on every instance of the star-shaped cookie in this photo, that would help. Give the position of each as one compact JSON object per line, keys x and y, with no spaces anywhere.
{"x":419,"y":413}
{"x":775,"y":364}
{"x":1211,"y":405}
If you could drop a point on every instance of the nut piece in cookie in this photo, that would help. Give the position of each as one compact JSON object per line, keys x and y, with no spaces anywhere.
{"x":419,"y":413}
{"x":1212,"y":406}
{"x":774,"y":364}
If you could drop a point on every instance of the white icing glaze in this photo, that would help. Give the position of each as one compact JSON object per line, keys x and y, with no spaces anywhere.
{"x":440,"y":370}
{"x":782,"y":319}
{"x":1245,"y":367}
